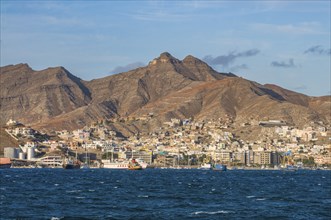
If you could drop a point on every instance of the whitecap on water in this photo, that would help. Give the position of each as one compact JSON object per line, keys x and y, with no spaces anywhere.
{"x":91,"y":190}
{"x":250,"y":197}
{"x":73,"y":191}
{"x":260,"y":199}
{"x":56,"y":184}
{"x":143,"y":196}
{"x":56,"y":218}
{"x":80,"y":197}
{"x":211,"y":213}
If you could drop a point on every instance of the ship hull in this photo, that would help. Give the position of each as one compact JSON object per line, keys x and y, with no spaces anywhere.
{"x":115,"y":165}
{"x":71,"y":166}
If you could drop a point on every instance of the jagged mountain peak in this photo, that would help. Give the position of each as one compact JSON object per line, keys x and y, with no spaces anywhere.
{"x":192,"y":59}
{"x":164,"y":57}
{"x":17,"y":68}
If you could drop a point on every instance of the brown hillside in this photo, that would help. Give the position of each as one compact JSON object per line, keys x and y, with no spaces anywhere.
{"x":168,"y":87}
{"x":6,"y":140}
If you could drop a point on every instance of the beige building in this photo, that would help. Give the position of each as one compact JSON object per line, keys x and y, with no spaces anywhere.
{"x":262,"y":157}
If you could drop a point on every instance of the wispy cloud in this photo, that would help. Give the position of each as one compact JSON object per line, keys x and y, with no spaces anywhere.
{"x":301,"y":88}
{"x":238,"y":67}
{"x":284,"y":64}
{"x":301,"y":28}
{"x":226,"y":60}
{"x":159,"y":16}
{"x":131,"y":66}
{"x":318,"y":49}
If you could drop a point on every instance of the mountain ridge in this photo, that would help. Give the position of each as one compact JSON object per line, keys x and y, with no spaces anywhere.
{"x":168,"y":87}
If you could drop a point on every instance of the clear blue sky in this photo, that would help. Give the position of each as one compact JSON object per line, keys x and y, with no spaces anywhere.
{"x":280,"y":42}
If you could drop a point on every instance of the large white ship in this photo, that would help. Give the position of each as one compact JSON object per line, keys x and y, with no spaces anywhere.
{"x":115,"y":164}
{"x":123,"y":164}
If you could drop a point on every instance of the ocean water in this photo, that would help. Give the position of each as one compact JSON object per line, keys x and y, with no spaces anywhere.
{"x":164,"y":194}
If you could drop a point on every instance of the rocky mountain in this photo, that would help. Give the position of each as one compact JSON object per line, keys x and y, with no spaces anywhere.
{"x":167,"y":87}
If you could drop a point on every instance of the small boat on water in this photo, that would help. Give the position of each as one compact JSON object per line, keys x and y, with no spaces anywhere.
{"x":205,"y":166}
{"x":5,"y":163}
{"x":290,"y":168}
{"x":84,"y":166}
{"x":70,"y":164}
{"x":134,"y":165}
{"x":219,"y":167}
{"x":142,"y":163}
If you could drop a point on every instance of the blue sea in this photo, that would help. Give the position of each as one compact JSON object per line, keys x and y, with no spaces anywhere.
{"x":164,"y":194}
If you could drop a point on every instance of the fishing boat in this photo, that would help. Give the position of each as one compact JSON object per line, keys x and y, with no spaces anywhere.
{"x":134,"y":165}
{"x":70,"y":164}
{"x":5,"y":163}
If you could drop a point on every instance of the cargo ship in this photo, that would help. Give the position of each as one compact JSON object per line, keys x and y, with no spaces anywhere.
{"x":5,"y":163}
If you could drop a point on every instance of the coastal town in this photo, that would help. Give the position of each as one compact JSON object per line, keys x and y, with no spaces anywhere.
{"x":178,"y":143}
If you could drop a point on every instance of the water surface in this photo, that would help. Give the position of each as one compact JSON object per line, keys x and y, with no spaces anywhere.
{"x":164,"y":194}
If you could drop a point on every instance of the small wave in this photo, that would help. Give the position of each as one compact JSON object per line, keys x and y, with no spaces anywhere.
{"x":56,"y":218}
{"x":102,"y":182}
{"x":73,"y":191}
{"x":250,"y":197}
{"x":211,"y":213}
{"x":80,"y":197}
{"x":261,"y":199}
{"x":56,"y":184}
{"x":91,"y":190}
{"x":143,"y":196}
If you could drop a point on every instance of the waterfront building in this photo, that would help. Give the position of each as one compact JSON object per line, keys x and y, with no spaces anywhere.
{"x":11,"y":152}
{"x":239,"y":157}
{"x":274,"y":158}
{"x":249,"y":157}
